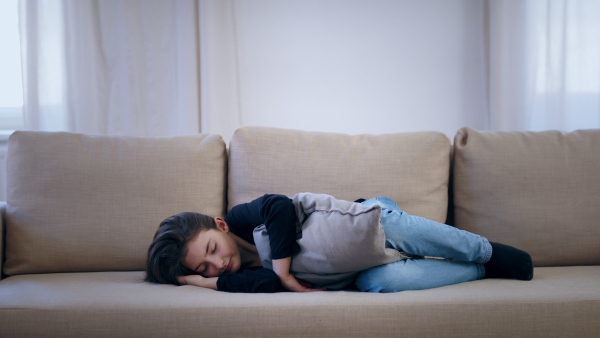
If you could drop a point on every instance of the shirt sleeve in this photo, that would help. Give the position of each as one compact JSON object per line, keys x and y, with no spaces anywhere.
{"x":260,"y":280}
{"x":277,"y":213}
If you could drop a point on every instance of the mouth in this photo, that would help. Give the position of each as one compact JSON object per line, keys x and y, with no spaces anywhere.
{"x":228,"y":268}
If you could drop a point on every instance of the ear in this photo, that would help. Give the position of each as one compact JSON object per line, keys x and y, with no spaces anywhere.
{"x":221,"y":225}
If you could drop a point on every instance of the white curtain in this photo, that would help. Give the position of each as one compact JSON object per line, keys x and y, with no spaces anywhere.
{"x":111,"y":67}
{"x":544,"y":64}
{"x":219,"y":63}
{"x":132,"y":67}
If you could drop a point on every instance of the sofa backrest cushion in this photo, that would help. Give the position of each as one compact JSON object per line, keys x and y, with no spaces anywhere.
{"x":410,"y":168}
{"x":93,"y":203}
{"x":538,"y":191}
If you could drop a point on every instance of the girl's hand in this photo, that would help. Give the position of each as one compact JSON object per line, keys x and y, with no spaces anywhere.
{"x":197,"y":280}
{"x":189,"y":280}
{"x":289,"y":282}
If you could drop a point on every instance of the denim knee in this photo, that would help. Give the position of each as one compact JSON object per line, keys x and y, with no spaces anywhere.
{"x":385,"y":202}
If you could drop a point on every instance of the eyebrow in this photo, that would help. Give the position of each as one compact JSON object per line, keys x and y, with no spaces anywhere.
{"x":205,"y":253}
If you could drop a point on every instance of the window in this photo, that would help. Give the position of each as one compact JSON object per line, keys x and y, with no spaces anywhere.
{"x":567,"y":87}
{"x":11,"y":84}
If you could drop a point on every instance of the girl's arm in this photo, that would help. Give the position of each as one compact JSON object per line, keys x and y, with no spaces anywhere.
{"x":278,"y":214}
{"x":197,"y":280}
{"x":259,"y":280}
{"x":288,"y":281}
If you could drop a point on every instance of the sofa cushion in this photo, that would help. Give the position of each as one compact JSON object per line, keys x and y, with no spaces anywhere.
{"x":2,"y":227}
{"x":538,"y":191}
{"x":92,"y":203}
{"x":410,"y":168}
{"x":558,"y":302}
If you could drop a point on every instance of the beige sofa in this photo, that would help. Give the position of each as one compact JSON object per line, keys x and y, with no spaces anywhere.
{"x":82,"y":210}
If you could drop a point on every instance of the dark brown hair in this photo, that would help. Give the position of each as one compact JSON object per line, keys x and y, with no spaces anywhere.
{"x":165,"y":254}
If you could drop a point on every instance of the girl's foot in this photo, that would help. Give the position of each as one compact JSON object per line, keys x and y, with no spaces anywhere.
{"x":509,"y":262}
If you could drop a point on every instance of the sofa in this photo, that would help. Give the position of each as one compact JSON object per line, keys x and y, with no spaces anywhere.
{"x":81,"y":211}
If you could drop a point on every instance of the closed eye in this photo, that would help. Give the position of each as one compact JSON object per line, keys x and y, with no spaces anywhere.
{"x":201,"y":268}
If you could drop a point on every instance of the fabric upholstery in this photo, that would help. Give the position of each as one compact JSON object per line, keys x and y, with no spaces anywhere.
{"x":410,"y":168}
{"x":93,"y":203}
{"x":537,"y":191}
{"x":559,"y":302}
{"x":2,"y":227}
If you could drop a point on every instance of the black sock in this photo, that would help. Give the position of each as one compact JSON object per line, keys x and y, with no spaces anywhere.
{"x":509,"y":262}
{"x":493,"y":272}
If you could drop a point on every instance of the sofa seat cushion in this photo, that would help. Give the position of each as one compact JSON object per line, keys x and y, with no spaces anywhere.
{"x":563,"y":301}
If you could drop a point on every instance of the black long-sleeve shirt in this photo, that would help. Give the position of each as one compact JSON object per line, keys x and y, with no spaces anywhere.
{"x":250,"y":280}
{"x":278,"y":214}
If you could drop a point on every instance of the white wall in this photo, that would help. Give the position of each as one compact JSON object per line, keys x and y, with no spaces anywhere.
{"x":352,"y":66}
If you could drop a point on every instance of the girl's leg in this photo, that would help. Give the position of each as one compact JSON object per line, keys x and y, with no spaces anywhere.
{"x":417,"y":274}
{"x":419,"y":236}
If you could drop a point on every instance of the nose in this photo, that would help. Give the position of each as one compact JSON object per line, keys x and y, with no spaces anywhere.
{"x":218,"y":263}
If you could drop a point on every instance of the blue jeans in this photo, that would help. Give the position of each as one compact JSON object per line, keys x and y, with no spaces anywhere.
{"x":464,"y":253}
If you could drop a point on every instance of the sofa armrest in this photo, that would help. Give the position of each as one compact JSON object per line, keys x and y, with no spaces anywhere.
{"x":2,"y":232}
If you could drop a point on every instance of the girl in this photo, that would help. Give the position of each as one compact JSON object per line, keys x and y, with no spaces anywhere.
{"x":220,"y":254}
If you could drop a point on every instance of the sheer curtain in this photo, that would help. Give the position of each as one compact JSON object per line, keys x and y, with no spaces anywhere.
{"x":544,"y":64}
{"x":132,"y":67}
{"x":219,"y":62}
{"x":111,"y":67}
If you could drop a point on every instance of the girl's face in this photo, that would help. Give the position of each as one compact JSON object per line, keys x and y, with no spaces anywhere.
{"x":213,"y":252}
